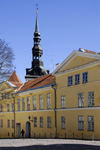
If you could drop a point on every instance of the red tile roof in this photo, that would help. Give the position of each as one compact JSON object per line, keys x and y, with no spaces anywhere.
{"x":14,"y":79}
{"x":38,"y":82}
{"x":88,"y":51}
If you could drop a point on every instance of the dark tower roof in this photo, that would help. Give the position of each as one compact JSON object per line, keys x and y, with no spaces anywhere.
{"x":37,"y":69}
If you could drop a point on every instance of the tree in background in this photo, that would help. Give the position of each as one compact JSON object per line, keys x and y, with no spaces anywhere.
{"x":6,"y":60}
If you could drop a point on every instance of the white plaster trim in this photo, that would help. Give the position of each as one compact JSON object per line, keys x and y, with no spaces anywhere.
{"x":6,"y":112}
{"x":86,"y":66}
{"x":70,"y":57}
{"x":35,"y":91}
{"x":34,"y":111}
{"x":82,"y":108}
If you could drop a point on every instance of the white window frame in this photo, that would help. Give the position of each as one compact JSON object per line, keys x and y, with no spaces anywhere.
{"x":85,"y":75}
{"x":8,"y":107}
{"x":2,"y":96}
{"x":80,"y":99}
{"x":63,"y":101}
{"x":8,"y":123}
{"x":12,"y":107}
{"x":48,"y":100}
{"x":90,"y":99}
{"x":23,"y":104}
{"x":70,"y":80}
{"x":41,"y":101}
{"x":1,"y":123}
{"x":80,"y":122}
{"x":1,"y":108}
{"x":28,"y":103}
{"x":77,"y":79}
{"x":34,"y":102}
{"x":48,"y":122}
{"x":8,"y":96}
{"x":18,"y":102}
{"x":62,"y":122}
{"x":90,"y":123}
{"x":35,"y":121}
{"x":12,"y":123}
{"x":41,"y":122}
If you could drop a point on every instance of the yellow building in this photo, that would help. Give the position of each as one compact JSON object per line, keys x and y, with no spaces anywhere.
{"x":7,"y":88}
{"x":64,"y":104}
{"x":78,"y":96}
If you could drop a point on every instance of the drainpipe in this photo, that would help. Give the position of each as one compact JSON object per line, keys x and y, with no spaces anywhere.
{"x":55,"y":109}
{"x":14,"y":113}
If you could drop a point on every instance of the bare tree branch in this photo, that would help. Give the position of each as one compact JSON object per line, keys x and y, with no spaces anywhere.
{"x":6,"y":60}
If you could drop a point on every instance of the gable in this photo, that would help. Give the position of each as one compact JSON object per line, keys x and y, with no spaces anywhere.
{"x":77,"y":61}
{"x":5,"y":85}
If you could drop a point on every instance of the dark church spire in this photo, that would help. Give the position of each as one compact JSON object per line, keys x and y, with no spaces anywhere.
{"x":37,"y":69}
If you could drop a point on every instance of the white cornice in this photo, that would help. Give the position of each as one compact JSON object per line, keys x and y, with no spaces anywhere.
{"x":82,"y":108}
{"x":34,"y":111}
{"x":34,"y":91}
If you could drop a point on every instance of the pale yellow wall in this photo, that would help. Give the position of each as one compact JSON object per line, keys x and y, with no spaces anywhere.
{"x":78,"y":61}
{"x":23,"y":118}
{"x":4,"y":130}
{"x":71,"y":123}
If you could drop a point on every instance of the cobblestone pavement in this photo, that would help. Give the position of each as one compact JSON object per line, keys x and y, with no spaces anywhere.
{"x":48,"y":144}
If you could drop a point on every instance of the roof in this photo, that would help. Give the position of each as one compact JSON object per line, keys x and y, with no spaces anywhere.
{"x":14,"y":79}
{"x":87,"y":51}
{"x":38,"y":82}
{"x":81,"y":52}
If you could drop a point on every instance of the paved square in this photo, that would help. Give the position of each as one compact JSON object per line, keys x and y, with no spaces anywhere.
{"x":48,"y":144}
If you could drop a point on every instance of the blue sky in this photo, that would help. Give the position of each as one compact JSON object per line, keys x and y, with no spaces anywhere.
{"x":64,"y":25}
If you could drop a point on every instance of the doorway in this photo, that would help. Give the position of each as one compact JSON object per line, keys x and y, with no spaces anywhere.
{"x":28,"y":129}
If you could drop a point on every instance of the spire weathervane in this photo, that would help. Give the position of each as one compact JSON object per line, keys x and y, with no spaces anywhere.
{"x":36,"y":8}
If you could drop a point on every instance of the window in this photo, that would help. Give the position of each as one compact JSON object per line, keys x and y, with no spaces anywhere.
{"x":81,"y":100}
{"x":90,"y":98}
{"x":34,"y":102}
{"x":35,"y":121}
{"x":23,"y":104}
{"x":18,"y":101}
{"x":12,"y":107}
{"x":8,"y":109}
{"x":70,"y":80}
{"x":1,"y":108}
{"x":90,"y":123}
{"x":80,"y":122}
{"x":12,"y":123}
{"x":8,"y":123}
{"x":8,"y":95}
{"x":85,"y":77}
{"x":41,"y":121}
{"x":62,"y":101}
{"x":5,"y":95}
{"x":28,"y":103}
{"x":1,"y":122}
{"x":2,"y":96}
{"x":62,"y":122}
{"x":41,"y":101}
{"x":77,"y":79}
{"x":48,"y":101}
{"x":48,"y":122}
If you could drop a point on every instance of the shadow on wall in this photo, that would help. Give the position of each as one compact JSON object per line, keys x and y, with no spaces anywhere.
{"x":54,"y":147}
